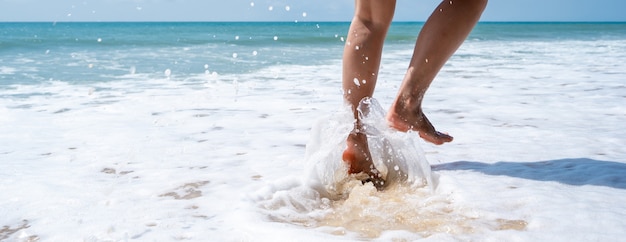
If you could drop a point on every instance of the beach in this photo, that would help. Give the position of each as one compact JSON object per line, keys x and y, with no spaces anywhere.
{"x":233,"y":132}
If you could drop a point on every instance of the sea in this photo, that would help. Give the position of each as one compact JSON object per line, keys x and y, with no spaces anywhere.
{"x":233,"y":131}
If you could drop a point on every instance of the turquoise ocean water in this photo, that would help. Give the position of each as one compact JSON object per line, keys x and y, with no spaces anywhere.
{"x":32,"y":53}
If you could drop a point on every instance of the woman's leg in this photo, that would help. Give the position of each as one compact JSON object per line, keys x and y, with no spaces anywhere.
{"x":442,"y":34}
{"x":361,"y":61}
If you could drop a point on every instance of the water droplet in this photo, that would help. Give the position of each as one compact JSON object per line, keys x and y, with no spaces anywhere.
{"x":426,"y":60}
{"x":251,"y":4}
{"x":234,"y":55}
{"x":356,"y":82}
{"x":206,"y":66}
{"x":396,"y":168}
{"x":304,"y":14}
{"x":167,"y":73}
{"x":275,"y":37}
{"x":357,"y":47}
{"x":99,"y":39}
{"x":255,"y":52}
{"x":270,"y":8}
{"x":237,"y":37}
{"x":287,"y":8}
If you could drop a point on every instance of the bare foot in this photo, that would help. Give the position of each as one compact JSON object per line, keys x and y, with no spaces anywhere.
{"x":404,"y":121}
{"x":357,"y":156}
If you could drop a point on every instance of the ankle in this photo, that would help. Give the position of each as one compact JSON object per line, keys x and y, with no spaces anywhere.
{"x":405,"y":110}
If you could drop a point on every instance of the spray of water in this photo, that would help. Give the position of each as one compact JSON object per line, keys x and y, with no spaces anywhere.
{"x":396,"y":155}
{"x":330,"y":200}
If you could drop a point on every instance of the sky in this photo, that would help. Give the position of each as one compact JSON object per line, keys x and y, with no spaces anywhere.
{"x":292,"y":10}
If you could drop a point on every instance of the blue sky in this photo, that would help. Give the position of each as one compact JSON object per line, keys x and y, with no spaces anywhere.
{"x":293,"y":10}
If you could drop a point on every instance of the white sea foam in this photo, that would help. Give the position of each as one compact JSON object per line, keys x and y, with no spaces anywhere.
{"x":538,"y":153}
{"x":4,"y":70}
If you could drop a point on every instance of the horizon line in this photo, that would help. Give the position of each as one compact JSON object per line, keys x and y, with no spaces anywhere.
{"x":294,"y":22}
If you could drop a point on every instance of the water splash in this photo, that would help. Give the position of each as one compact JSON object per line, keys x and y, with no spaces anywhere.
{"x":396,"y":155}
{"x":167,"y":73}
{"x":330,"y":200}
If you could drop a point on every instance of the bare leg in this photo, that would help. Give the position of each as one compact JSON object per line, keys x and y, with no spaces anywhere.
{"x":442,"y":34}
{"x":361,"y":60}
